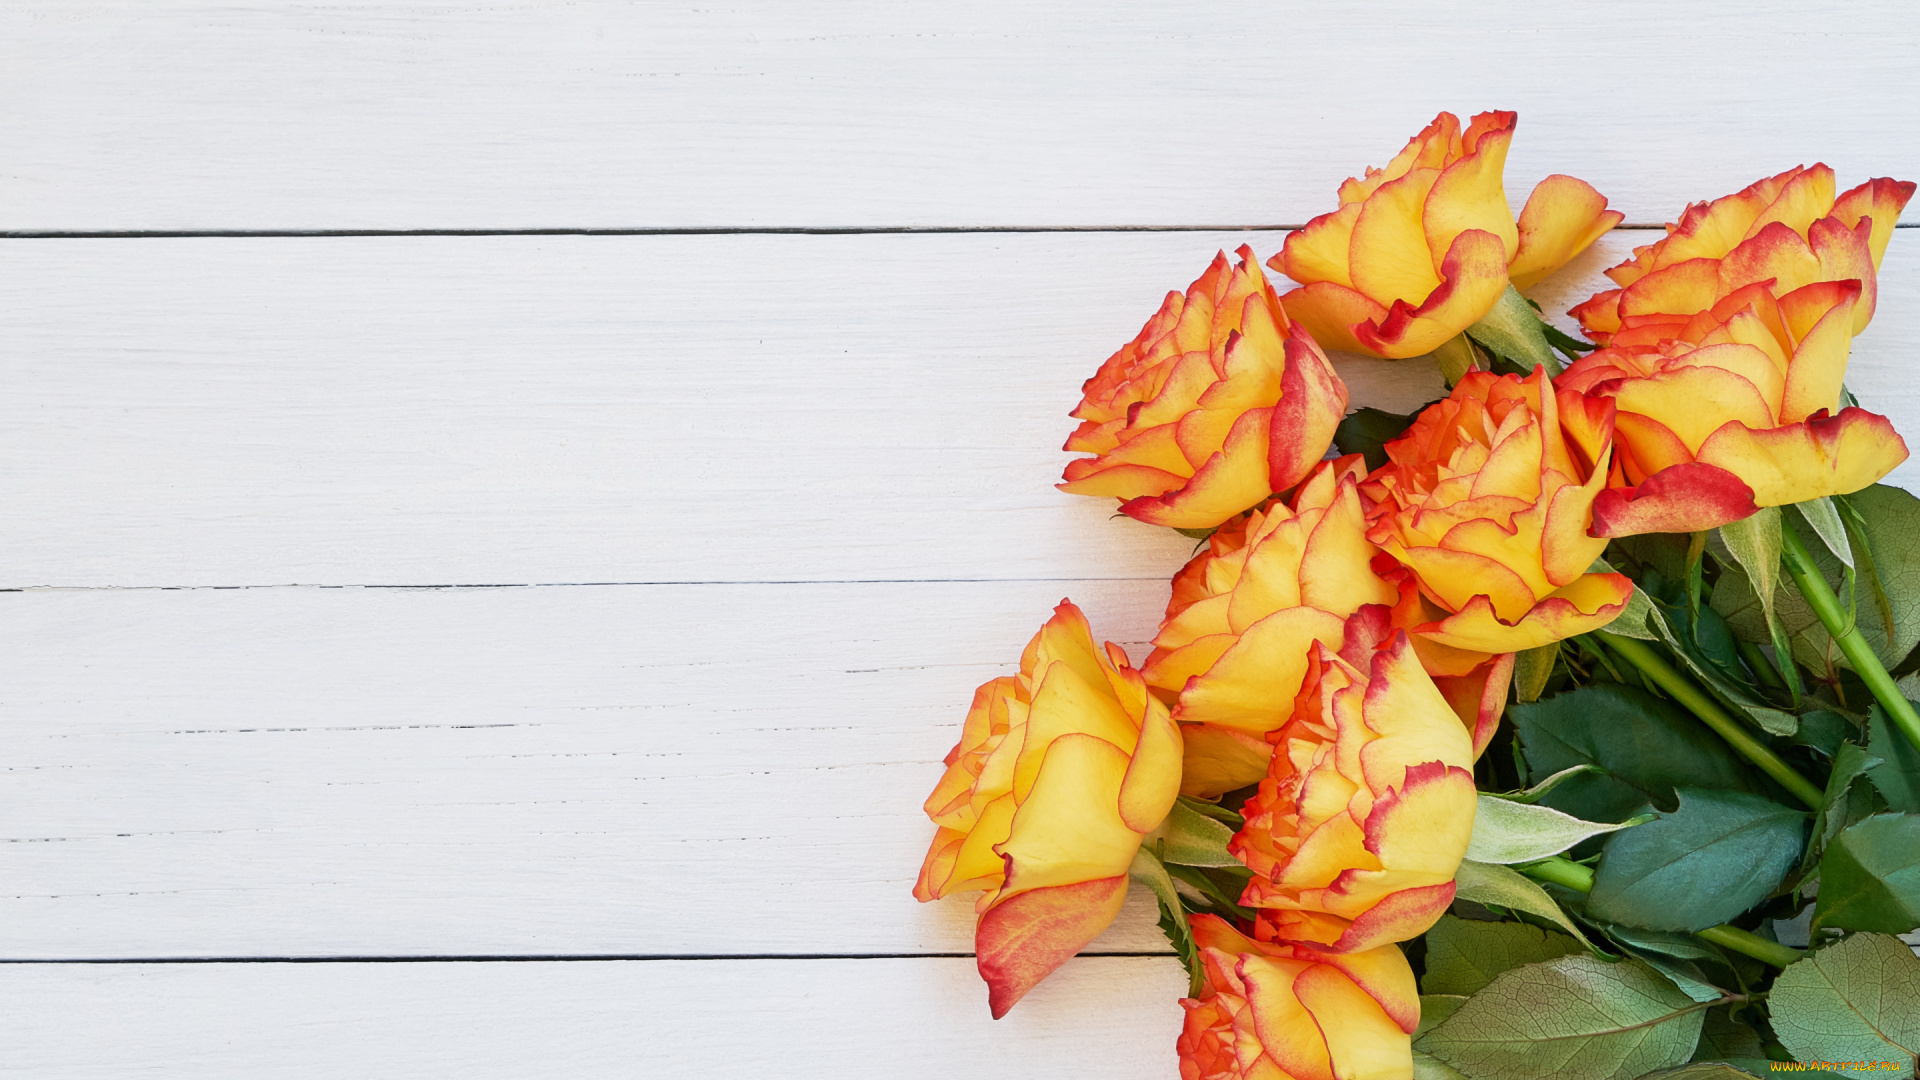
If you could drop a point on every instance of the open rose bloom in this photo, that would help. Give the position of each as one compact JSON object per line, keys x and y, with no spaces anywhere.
{"x":1422,"y":249}
{"x":1219,"y":402}
{"x":1487,"y":499}
{"x":1060,"y":772}
{"x":1274,"y":1012}
{"x":1233,"y":648}
{"x":1789,"y":229}
{"x":1364,"y":815}
{"x":1732,"y":409}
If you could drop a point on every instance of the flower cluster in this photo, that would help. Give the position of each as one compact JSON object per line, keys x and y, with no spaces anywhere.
{"x":1338,"y":653}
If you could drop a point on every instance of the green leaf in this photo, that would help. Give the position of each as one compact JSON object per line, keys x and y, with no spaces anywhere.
{"x":1367,"y":431}
{"x":1173,"y":915}
{"x":1500,"y":886}
{"x":1824,"y":518}
{"x":1689,"y":646}
{"x":1511,"y":832}
{"x":1433,"y":1009}
{"x":1718,"y":855}
{"x":1855,"y":1001}
{"x":1213,"y":810}
{"x":1700,"y":1070}
{"x":1643,"y":746}
{"x":1673,"y":955}
{"x":1512,"y":331}
{"x":1464,"y":955}
{"x":1540,"y":790}
{"x":1870,"y":876}
{"x":1194,"y":839}
{"x":1723,"y":1038}
{"x":1848,"y":763}
{"x":1754,"y":543}
{"x":1531,"y":670}
{"x":1573,"y":1018}
{"x":1889,"y":519}
{"x":1897,"y":777}
{"x":1869,"y":571}
{"x":1207,"y":882}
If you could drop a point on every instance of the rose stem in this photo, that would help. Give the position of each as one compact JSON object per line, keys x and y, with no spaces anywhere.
{"x":1699,"y":704}
{"x":1820,"y":597}
{"x":1563,"y":871}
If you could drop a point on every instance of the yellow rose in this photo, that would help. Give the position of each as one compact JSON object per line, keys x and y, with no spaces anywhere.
{"x":1060,"y":772}
{"x":1487,"y":498}
{"x":1233,"y":648}
{"x":1422,"y":249}
{"x":1732,"y":409}
{"x":1271,"y":1012}
{"x":1356,"y":832}
{"x":1789,"y":229}
{"x":1217,"y":404}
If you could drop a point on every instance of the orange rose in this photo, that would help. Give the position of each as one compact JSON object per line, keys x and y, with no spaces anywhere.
{"x":1233,"y":648}
{"x":1735,"y":408}
{"x":1422,"y":249}
{"x":1368,"y":803}
{"x":1060,"y":772}
{"x":1788,"y":229}
{"x":1271,"y":1012}
{"x":1218,"y":403}
{"x":1487,"y":498}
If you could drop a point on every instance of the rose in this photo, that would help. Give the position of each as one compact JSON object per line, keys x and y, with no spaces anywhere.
{"x":1233,"y":647}
{"x":1733,"y":409}
{"x":1364,"y":815}
{"x":1487,"y":499}
{"x":1787,"y":228}
{"x":1219,"y":402}
{"x":1422,"y":249}
{"x":1059,"y":773}
{"x":1269,"y":1011}
{"x":1232,"y":650}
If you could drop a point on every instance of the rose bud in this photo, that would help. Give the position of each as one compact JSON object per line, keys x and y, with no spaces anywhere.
{"x":1422,"y":249}
{"x":1268,"y":1012}
{"x":1789,"y":229}
{"x":1735,"y":408}
{"x":1060,"y":772}
{"x":1364,"y":815}
{"x":1217,"y":404}
{"x":1487,"y":498}
{"x":1233,"y":647}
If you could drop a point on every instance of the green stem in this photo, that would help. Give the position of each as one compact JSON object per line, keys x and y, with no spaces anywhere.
{"x":1757,"y":660}
{"x":1563,"y":871}
{"x":1751,"y":944}
{"x":1697,"y":702}
{"x":1820,"y":597}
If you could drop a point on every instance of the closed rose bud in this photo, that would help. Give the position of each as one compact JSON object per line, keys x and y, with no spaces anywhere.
{"x":1789,"y":229}
{"x":1364,"y":815}
{"x":1487,"y":499}
{"x":1273,"y":1012}
{"x":1422,"y":249}
{"x":1732,"y":409}
{"x":1060,"y":772}
{"x":1217,"y":404}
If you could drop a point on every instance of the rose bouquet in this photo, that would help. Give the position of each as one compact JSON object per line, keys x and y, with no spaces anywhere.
{"x":1558,"y":729}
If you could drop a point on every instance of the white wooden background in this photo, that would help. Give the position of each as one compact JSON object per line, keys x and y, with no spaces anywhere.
{"x":519,"y":646}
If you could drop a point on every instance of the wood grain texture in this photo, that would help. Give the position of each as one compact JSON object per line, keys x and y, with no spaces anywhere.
{"x":1097,"y":1018}
{"x":204,"y":114}
{"x":681,"y":769}
{"x":406,"y":411}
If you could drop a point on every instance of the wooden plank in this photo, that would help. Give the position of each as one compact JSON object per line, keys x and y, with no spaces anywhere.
{"x":1108,"y":1018}
{"x":516,"y":409}
{"x":580,"y":409}
{"x":604,"y":770}
{"x":202,"y":114}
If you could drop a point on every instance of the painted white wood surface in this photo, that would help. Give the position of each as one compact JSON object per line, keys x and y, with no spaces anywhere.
{"x":206,"y":114}
{"x":497,"y":410}
{"x":1097,"y":1018}
{"x":670,"y":769}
